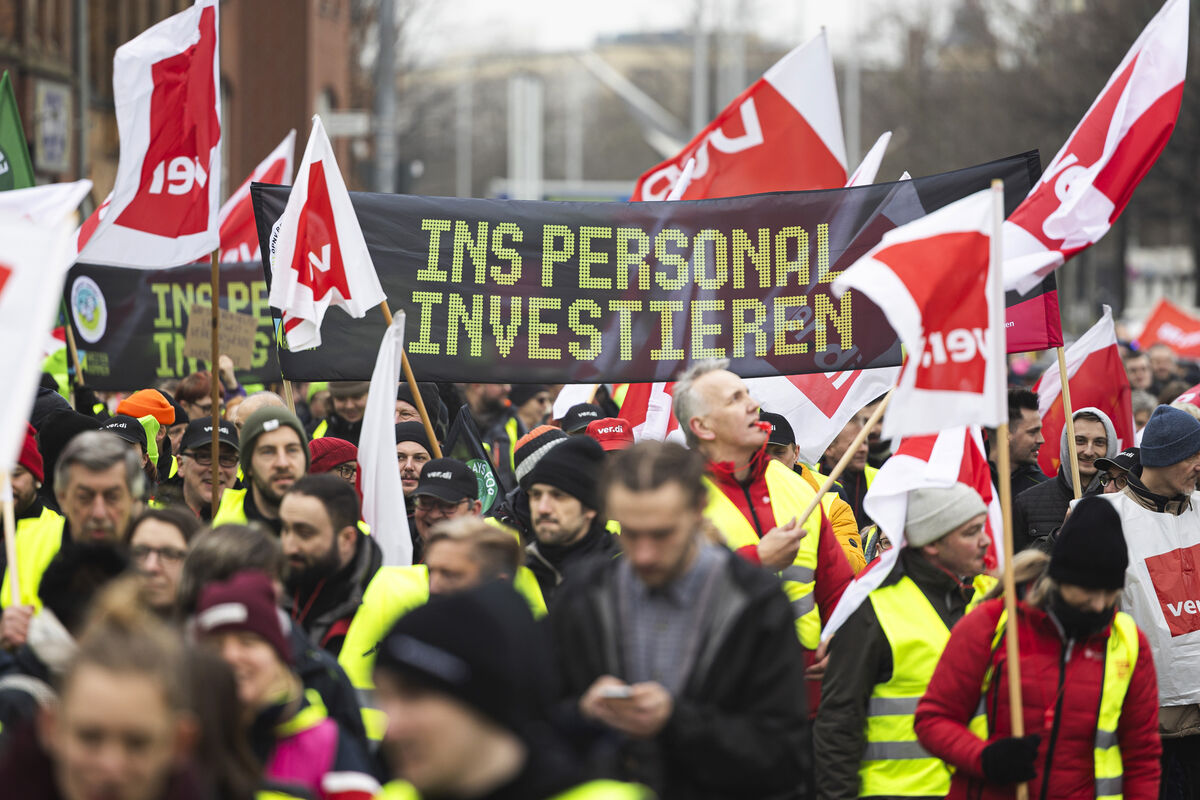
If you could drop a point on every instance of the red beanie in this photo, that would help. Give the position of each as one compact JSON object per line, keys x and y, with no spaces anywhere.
{"x":30,"y":458}
{"x":328,"y":452}
{"x":148,"y":403}
{"x":246,"y":602}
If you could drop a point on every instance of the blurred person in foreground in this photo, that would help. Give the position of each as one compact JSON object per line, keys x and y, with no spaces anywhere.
{"x":682,"y":650}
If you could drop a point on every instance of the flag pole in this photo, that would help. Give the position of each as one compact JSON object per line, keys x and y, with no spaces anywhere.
{"x":412,"y":387}
{"x":288,"y":396}
{"x":847,"y":456}
{"x":10,"y":539}
{"x":73,"y":354}
{"x":1066,"y":398}
{"x":1004,"y":467}
{"x":216,"y":403}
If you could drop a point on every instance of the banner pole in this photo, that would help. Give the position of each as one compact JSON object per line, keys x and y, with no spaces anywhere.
{"x":1004,"y":469}
{"x":73,"y":354}
{"x":847,"y":456}
{"x":1070,"y":421}
{"x":216,"y":384}
{"x":288,"y":396}
{"x":10,"y":539}
{"x":412,"y":387}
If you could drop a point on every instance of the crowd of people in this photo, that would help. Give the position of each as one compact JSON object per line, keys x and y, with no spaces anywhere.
{"x":622,"y":620}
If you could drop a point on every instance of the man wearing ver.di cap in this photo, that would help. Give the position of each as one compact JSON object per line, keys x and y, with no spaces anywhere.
{"x":447,"y":489}
{"x":613,"y":433}
{"x":578,"y":417}
{"x":195,"y":463}
{"x":1114,"y":472}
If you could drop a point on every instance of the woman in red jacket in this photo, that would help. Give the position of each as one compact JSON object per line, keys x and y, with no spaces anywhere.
{"x":1088,"y":685}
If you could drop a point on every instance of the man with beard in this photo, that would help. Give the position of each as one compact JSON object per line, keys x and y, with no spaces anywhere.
{"x":273,"y":457}
{"x":1024,"y":441}
{"x":329,"y":560}
{"x":412,"y":454}
{"x":499,"y":427}
{"x":563,"y":510}
{"x":195,"y":463}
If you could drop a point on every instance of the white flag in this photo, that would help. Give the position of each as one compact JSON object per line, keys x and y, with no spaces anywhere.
{"x":869,"y":168}
{"x":319,"y":257}
{"x":163,"y":208}
{"x":383,"y":494}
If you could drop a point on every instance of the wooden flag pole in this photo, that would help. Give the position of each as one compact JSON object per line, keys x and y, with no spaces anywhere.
{"x":216,"y":382}
{"x":847,"y":456}
{"x":1070,"y":420}
{"x":1004,"y":468}
{"x":412,"y":387}
{"x":10,"y":540}
{"x":288,"y":396}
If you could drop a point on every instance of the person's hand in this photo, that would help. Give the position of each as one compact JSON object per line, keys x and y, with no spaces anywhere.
{"x":778,"y":548}
{"x":816,"y":670}
{"x":226,"y":373}
{"x":641,"y":715}
{"x":14,"y":626}
{"x":1011,"y":760}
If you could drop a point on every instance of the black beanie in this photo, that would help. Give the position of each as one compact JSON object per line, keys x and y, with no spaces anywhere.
{"x":413,"y":432}
{"x":1090,"y":551}
{"x":573,"y":466}
{"x":480,"y":647}
{"x":439,"y":417}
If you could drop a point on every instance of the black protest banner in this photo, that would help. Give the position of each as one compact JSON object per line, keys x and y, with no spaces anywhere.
{"x":131,"y":324}
{"x":529,"y":292}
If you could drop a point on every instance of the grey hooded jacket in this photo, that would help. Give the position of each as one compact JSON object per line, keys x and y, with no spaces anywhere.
{"x":1040,"y":510}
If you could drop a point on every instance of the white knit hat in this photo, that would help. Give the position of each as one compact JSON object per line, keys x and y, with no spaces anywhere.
{"x":932,"y":513}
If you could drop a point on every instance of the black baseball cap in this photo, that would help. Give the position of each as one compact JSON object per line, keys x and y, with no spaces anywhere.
{"x":127,"y":428}
{"x":781,"y":429}
{"x":580,"y":415}
{"x":447,"y":479}
{"x":1125,"y":460}
{"x":199,"y":434}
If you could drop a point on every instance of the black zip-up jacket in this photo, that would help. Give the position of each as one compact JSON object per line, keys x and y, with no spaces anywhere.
{"x":551,"y":564}
{"x":740,"y":726}
{"x":319,"y":609}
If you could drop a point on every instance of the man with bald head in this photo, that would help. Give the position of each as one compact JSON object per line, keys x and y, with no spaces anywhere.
{"x":757,"y":502}
{"x":242,"y":411}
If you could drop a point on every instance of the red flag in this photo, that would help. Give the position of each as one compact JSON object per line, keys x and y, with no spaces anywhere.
{"x":1170,"y":325}
{"x":954,"y":455}
{"x":1097,"y":379}
{"x":784,"y":133}
{"x":934,"y":280}
{"x":239,"y":234}
{"x":1089,"y":182}
{"x":163,"y":208}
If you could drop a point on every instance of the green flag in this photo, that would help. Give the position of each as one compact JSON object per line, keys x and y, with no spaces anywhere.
{"x":16,"y":170}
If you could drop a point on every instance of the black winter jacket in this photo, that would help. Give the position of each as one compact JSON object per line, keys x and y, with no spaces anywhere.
{"x":740,"y":727}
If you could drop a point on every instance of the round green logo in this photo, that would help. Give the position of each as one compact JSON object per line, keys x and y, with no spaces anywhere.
{"x":489,"y":490}
{"x":88,"y":309}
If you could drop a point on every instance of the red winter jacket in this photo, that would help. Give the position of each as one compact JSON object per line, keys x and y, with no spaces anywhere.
{"x":1065,"y":752}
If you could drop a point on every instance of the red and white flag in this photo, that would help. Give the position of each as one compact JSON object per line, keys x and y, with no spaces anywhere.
{"x":1087,"y":185}
{"x":239,"y":234}
{"x":318,"y":254}
{"x":934,"y":280}
{"x":1097,"y":379}
{"x":819,"y":405}
{"x":162,"y":211}
{"x":1171,"y":325}
{"x":784,"y":133}
{"x":921,"y":462}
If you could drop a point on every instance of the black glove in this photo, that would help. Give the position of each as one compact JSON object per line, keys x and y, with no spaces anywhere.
{"x":1011,"y":760}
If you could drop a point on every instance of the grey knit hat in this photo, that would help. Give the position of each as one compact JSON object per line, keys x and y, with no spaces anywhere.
{"x":265,"y":420}
{"x":932,"y":513}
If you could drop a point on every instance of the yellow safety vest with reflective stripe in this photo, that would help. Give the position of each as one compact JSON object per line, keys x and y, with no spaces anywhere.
{"x":513,"y":431}
{"x":232,"y":508}
{"x":894,"y":764}
{"x":790,"y":495}
{"x":1120,"y":658}
{"x":392,"y":593}
{"x":592,"y":790}
{"x":38,"y":540}
{"x":321,"y":429}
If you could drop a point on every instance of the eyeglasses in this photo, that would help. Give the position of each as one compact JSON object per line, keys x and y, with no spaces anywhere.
{"x":1121,"y":481}
{"x":204,"y":458}
{"x":430,"y":504}
{"x":168,"y":555}
{"x":347,"y":471}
